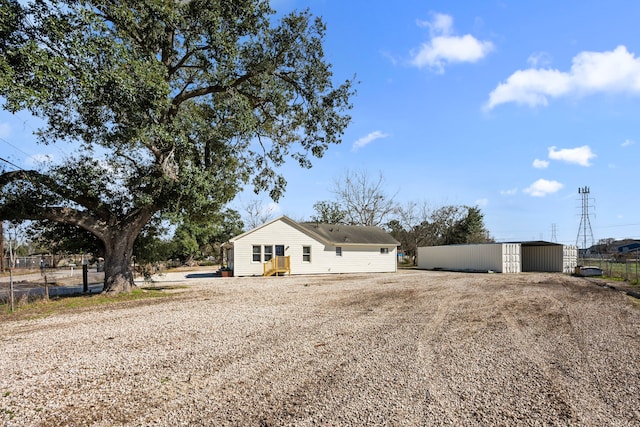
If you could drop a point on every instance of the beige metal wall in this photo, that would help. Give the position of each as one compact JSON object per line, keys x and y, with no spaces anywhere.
{"x":569,"y":258}
{"x":498,"y":257}
{"x":542,"y":258}
{"x":511,"y":258}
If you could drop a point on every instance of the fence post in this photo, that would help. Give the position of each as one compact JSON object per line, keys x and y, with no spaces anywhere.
{"x":626,"y":269}
{"x":85,"y":278}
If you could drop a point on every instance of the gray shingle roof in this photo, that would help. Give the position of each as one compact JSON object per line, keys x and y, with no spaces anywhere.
{"x":339,"y":234}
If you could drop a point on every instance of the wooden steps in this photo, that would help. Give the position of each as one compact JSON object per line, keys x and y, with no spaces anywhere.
{"x":277,"y":265}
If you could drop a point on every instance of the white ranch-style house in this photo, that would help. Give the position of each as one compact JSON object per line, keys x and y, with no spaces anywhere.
{"x":286,"y":246}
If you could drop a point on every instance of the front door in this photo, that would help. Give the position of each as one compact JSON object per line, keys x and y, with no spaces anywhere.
{"x":279,"y":250}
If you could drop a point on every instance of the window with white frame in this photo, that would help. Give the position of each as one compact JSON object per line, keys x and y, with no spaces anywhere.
{"x":256,"y":253}
{"x":338,"y":251}
{"x":268,"y":253}
{"x":384,"y":250}
{"x":306,"y":254}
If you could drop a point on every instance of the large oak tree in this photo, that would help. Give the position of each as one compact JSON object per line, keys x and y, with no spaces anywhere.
{"x":173,"y":105}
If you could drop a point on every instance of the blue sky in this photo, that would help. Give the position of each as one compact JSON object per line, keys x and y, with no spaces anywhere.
{"x":508,"y":105}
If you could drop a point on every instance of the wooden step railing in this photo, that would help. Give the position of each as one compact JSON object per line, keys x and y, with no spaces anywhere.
{"x":277,"y":265}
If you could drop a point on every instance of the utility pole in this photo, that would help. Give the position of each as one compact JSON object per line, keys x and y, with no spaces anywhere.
{"x":584,"y":229}
{"x":554,"y":236}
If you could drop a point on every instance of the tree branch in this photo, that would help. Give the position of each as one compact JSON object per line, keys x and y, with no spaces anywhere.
{"x":69,"y":216}
{"x":207,"y":90}
{"x":36,"y":178}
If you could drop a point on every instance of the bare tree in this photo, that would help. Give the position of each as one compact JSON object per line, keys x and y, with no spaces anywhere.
{"x":257,"y":213}
{"x":364,"y":198}
{"x":411,"y":226}
{"x":417,"y":225}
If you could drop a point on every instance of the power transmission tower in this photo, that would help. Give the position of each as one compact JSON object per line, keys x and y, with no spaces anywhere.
{"x":585,"y":224}
{"x":554,"y":236}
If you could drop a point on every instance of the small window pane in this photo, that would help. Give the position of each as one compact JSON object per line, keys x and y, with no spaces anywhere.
{"x":384,"y":250}
{"x":268,"y":253}
{"x":257,"y":253}
{"x":338,"y":251}
{"x":306,"y":254}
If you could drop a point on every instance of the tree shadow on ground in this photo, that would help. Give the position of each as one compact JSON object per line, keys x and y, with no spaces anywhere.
{"x":201,"y":275}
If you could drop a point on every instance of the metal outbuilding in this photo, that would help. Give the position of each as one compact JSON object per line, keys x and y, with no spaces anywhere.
{"x":512,"y":257}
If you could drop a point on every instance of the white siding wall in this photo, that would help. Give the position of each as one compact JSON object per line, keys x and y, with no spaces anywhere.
{"x":354,"y":259}
{"x":470,"y":257}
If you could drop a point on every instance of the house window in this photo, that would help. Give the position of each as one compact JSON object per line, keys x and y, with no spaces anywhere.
{"x":257,"y":253}
{"x":268,"y":253}
{"x":384,"y":250}
{"x":306,"y":254}
{"x":338,"y":251}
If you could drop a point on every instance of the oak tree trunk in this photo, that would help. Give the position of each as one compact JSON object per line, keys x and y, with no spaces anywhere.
{"x":118,"y":276}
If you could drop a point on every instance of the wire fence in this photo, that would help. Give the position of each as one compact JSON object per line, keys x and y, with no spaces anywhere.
{"x":24,"y":262}
{"x":35,"y":262}
{"x":626,"y":269}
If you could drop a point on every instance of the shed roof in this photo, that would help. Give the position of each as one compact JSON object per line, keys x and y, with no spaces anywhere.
{"x":537,"y":243}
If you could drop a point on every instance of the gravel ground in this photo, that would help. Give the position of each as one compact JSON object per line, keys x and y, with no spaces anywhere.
{"x":414,"y":348}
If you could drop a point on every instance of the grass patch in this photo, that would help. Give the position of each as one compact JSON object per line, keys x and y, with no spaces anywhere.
{"x":7,"y":412}
{"x":67,"y":303}
{"x":634,"y":301}
{"x":613,"y":278}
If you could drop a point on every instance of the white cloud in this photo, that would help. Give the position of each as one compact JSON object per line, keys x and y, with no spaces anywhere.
{"x":509,"y":192}
{"x":542,"y":187}
{"x":539,"y":59}
{"x":579,"y":155}
{"x":441,"y":24}
{"x":366,"y":140}
{"x":445,"y":48}
{"x":390,"y":56}
{"x":482,"y":202}
{"x":628,"y":143}
{"x":616,"y":71}
{"x":529,"y":87}
{"x":540,"y":164}
{"x":5,"y":130}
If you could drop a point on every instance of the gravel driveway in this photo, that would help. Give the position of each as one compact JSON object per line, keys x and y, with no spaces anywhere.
{"x":413,"y":348}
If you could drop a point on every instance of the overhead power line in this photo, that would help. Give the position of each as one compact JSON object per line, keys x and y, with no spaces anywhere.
{"x":11,"y":163}
{"x":14,"y":147}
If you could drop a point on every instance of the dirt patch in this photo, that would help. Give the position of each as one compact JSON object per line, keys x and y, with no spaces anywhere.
{"x":412,"y":348}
